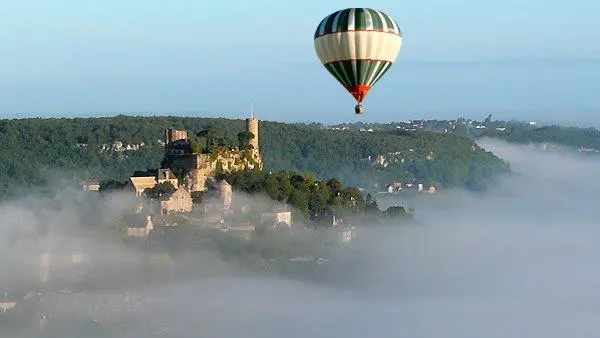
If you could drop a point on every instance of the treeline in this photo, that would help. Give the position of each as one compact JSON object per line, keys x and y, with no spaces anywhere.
{"x":38,"y":153}
{"x":318,"y":200}
{"x":513,"y":131}
{"x":571,"y":137}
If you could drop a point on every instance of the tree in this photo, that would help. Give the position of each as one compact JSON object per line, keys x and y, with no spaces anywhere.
{"x":244,"y":138}
{"x":272,"y":186}
{"x":196,"y":147}
{"x":311,"y":197}
{"x":219,"y":169}
{"x":203,"y":134}
{"x":335,"y":185}
{"x":317,"y":203}
{"x":297,"y":181}
{"x":285,"y":187}
{"x":299,"y":200}
{"x":371,"y":204}
{"x":160,"y":190}
{"x":111,"y":185}
{"x":395,"y":211}
{"x":352,"y":197}
{"x":209,"y":135}
{"x":488,"y":120}
{"x":221,"y":142}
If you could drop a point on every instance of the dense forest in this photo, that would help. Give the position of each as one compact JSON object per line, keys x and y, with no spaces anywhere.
{"x":40,"y":152}
{"x":513,"y":131}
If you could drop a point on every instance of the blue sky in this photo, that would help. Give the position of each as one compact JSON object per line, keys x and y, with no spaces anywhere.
{"x":525,"y":59}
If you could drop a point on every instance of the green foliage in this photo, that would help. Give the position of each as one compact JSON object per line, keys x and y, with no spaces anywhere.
{"x":161,"y":189}
{"x":218,"y":167}
{"x":395,"y":211}
{"x":512,"y":131}
{"x":316,"y":200}
{"x":110,"y":185}
{"x":214,"y":154}
{"x":371,"y":204}
{"x":39,"y":152}
{"x":196,"y":147}
{"x":244,"y":138}
{"x":566,"y":136}
{"x":345,"y":154}
{"x":208,"y":134}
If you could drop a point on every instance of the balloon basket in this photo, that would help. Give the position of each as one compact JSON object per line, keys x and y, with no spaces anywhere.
{"x":359,"y":109}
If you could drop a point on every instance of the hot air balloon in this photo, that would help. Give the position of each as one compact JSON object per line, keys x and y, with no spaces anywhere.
{"x":357,"y":46}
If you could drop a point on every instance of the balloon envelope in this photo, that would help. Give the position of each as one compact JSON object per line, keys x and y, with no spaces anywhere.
{"x":357,"y":46}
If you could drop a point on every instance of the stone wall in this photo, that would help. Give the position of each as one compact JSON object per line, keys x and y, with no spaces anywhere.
{"x":200,"y":167}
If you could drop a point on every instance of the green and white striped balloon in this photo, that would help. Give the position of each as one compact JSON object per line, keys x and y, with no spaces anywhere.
{"x":357,"y":46}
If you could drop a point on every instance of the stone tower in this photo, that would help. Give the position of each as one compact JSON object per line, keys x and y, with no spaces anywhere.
{"x":252,"y":126}
{"x":172,"y":135}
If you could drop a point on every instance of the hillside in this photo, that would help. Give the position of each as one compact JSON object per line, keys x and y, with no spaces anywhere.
{"x":37,"y":152}
{"x":556,"y":137}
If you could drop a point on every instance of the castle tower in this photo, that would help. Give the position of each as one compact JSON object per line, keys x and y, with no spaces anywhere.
{"x":172,"y":135}
{"x":252,"y":126}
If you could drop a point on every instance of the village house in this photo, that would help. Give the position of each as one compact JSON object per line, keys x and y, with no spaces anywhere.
{"x":140,"y":184}
{"x":278,"y":215}
{"x":348,"y":235}
{"x":178,"y":201}
{"x":5,"y":305}
{"x":90,"y":185}
{"x":396,"y":187}
{"x":347,"y":231}
{"x":336,"y":221}
{"x":166,"y":175}
{"x":140,"y":181}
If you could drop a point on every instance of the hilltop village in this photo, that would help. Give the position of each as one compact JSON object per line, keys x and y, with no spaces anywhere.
{"x":182,"y":206}
{"x":187,"y":181}
{"x":207,"y":198}
{"x":187,"y":189}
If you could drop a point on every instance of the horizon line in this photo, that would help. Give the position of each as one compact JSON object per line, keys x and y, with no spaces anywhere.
{"x":228,"y":115}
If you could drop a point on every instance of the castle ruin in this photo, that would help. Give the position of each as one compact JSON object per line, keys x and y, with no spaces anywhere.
{"x":196,"y":167}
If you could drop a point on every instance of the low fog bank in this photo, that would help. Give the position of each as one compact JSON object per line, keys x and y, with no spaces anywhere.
{"x":517,"y":261}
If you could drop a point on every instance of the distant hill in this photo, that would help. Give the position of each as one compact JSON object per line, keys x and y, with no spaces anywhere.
{"x":554,"y":137}
{"x":37,"y":152}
